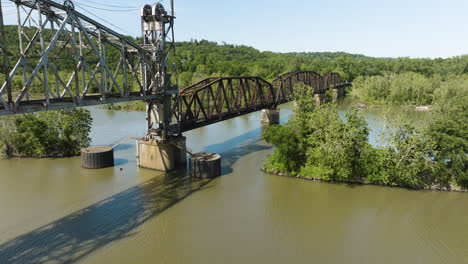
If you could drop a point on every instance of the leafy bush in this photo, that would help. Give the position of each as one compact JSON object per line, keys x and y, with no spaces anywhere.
{"x":409,"y":88}
{"x":319,"y":143}
{"x":46,"y":134}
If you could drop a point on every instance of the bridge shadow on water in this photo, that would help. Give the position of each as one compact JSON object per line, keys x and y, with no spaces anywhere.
{"x":244,"y":144}
{"x":75,"y":236}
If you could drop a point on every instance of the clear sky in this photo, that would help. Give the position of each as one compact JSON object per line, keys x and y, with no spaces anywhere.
{"x":395,"y":28}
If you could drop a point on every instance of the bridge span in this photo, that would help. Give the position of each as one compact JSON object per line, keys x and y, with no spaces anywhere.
{"x":63,"y":36}
{"x":216,"y":99}
{"x":67,"y":60}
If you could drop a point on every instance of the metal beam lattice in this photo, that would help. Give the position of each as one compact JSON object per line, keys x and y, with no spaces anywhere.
{"x":67,"y":59}
{"x":286,"y":84}
{"x":217,"y":99}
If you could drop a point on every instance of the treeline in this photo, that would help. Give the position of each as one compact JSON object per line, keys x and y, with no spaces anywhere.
{"x":46,"y":134}
{"x":317,"y":143}
{"x":200,"y":59}
{"x":196,"y":60}
{"x":409,"y":88}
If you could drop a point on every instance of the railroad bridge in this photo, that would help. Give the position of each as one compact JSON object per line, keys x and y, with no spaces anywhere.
{"x":107,"y":67}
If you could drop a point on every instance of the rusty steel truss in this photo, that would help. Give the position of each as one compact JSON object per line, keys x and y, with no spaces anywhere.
{"x":219,"y":98}
{"x":287,"y":83}
{"x":331,"y":80}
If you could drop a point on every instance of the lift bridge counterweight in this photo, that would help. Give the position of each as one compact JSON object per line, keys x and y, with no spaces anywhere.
{"x":157,"y":34}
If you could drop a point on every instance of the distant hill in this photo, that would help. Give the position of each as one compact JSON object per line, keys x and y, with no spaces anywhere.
{"x":199,"y":59}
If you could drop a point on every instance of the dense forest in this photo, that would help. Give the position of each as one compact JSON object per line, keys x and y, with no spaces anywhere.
{"x":198,"y":59}
{"x":409,"y":88}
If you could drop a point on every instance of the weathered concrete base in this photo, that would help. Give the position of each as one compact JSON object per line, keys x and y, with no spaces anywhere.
{"x":320,"y":99}
{"x":205,"y":165}
{"x":271,"y":116}
{"x":338,"y":93}
{"x":97,"y":157}
{"x":162,"y":156}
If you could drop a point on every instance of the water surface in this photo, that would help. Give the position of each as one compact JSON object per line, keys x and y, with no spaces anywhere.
{"x":52,"y":211}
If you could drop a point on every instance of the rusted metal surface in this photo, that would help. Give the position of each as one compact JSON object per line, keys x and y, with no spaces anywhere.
{"x":217,"y":99}
{"x":331,"y":80}
{"x":286,"y":84}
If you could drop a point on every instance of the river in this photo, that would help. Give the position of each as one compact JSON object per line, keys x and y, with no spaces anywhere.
{"x":53,"y":211}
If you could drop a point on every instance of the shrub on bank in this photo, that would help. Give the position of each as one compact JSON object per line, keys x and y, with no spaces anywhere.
{"x":409,"y":88}
{"x":137,"y":106}
{"x":319,"y":143}
{"x":47,"y":134}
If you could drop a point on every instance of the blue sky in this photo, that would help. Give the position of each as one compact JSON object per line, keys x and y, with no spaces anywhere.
{"x":412,"y":28}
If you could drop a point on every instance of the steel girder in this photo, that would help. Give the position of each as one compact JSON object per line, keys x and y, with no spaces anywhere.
{"x":75,"y":62}
{"x":217,"y":99}
{"x":331,"y":80}
{"x":285,"y":84}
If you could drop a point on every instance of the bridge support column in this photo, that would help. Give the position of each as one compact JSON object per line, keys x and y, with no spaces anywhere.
{"x":205,"y":165}
{"x":338,"y":92}
{"x":320,"y":99}
{"x":271,"y":116}
{"x":166,"y":155}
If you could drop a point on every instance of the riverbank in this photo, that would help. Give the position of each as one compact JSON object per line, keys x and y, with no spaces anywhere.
{"x":420,"y":108}
{"x":136,"y":106}
{"x":316,"y":179}
{"x":334,"y":146}
{"x":51,"y":134}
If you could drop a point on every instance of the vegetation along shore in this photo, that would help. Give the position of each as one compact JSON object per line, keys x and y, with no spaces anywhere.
{"x":317,"y":143}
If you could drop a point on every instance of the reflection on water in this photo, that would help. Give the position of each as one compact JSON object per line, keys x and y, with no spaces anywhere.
{"x":55,"y":212}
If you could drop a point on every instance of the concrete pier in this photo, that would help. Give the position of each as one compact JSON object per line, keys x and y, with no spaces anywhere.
{"x":205,"y":165}
{"x":338,"y":93}
{"x":97,"y":157}
{"x":320,"y":99}
{"x":271,"y":116}
{"x":163,"y":156}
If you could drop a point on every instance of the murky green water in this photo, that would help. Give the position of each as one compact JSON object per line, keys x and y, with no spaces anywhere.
{"x":52,"y":211}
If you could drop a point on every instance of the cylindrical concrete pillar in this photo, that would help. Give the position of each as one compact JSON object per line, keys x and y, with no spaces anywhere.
{"x":205,"y":165}
{"x":97,"y":157}
{"x":270,"y":116}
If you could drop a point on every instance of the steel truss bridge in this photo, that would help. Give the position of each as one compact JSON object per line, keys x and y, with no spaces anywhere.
{"x":109,"y":68}
{"x":216,"y":99}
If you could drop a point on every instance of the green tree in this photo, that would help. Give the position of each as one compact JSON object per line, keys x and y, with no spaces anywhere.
{"x":46,"y":134}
